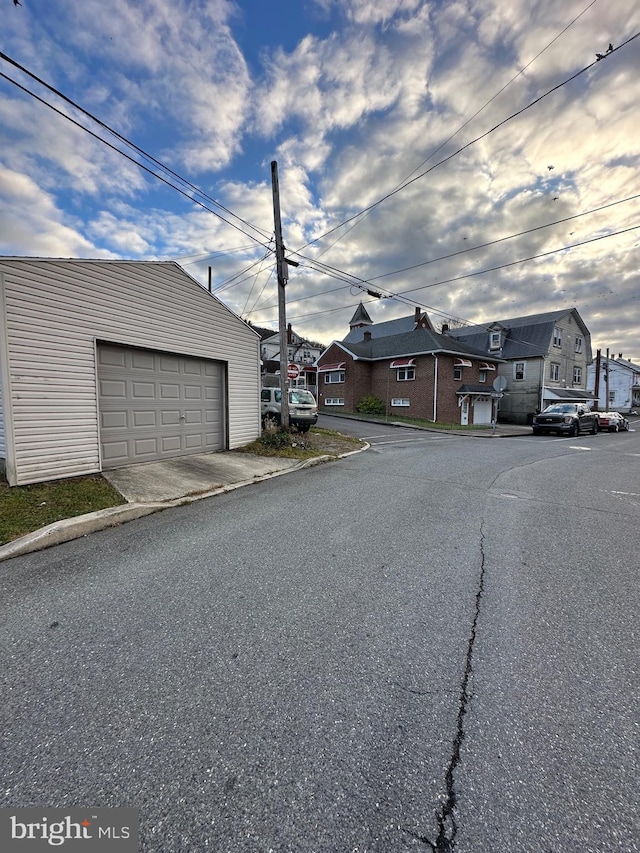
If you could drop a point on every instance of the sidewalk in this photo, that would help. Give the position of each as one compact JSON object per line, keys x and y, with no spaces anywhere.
{"x":500,"y":430}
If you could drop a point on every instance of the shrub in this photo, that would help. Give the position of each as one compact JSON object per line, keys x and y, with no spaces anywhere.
{"x":371,"y":405}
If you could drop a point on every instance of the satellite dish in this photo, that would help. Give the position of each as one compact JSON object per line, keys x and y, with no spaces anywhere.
{"x":499,"y":383}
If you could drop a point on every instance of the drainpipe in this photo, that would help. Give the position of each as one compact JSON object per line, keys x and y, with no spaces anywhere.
{"x":435,"y":387}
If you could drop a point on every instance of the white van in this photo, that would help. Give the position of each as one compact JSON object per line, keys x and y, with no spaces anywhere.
{"x":303,"y":409}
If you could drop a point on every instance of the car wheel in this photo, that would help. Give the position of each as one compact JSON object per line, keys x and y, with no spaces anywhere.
{"x":303,"y":428}
{"x":575,"y":430}
{"x":594,"y":428}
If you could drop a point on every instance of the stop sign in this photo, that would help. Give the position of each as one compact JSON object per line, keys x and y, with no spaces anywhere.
{"x":293,"y":371}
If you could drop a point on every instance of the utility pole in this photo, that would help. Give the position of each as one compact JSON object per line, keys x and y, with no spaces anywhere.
{"x":281,"y":267}
{"x":606,"y":383}
{"x":596,"y":387}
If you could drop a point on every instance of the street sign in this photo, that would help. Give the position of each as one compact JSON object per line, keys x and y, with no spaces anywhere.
{"x":293,"y":371}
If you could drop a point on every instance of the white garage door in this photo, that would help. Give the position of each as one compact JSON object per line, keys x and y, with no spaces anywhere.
{"x":482,"y":411}
{"x":157,"y":405}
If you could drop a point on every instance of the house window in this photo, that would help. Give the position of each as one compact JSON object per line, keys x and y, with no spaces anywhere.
{"x":494,"y":340}
{"x":519,"y":370}
{"x":457,"y":373}
{"x":400,"y":401}
{"x":554,"y":372}
{"x":612,"y":396}
{"x":334,"y":376}
{"x":404,"y":374}
{"x":557,"y":337}
{"x":577,"y":375}
{"x":578,"y":343}
{"x":334,"y":401}
{"x":482,"y":376}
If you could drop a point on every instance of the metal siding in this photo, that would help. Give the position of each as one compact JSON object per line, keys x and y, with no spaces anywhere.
{"x":56,"y":310}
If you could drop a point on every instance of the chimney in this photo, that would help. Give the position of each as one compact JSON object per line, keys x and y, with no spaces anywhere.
{"x":367,"y":337}
{"x":289,"y":334}
{"x":417,"y":315}
{"x":445,"y":328}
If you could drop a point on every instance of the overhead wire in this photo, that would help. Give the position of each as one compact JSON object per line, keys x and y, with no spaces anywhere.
{"x":473,"y":141}
{"x":352,"y":279}
{"x":132,"y":145}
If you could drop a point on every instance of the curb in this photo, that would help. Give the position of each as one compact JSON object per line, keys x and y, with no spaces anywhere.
{"x":82,"y":525}
{"x":488,"y":433}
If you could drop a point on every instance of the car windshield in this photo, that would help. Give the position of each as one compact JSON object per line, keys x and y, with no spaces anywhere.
{"x":301,"y":397}
{"x":562,"y":408}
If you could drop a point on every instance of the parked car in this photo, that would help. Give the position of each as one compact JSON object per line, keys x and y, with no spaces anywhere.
{"x":303,"y":409}
{"x":566,"y":419}
{"x":613,"y":421}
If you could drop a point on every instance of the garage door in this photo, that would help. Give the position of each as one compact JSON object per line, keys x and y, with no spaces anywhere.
{"x":482,"y":411}
{"x":157,"y":405}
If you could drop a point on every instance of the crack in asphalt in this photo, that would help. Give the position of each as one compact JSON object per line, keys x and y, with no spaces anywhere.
{"x":447,"y":828}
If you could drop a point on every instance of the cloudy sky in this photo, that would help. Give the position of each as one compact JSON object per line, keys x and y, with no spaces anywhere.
{"x":472,"y":157}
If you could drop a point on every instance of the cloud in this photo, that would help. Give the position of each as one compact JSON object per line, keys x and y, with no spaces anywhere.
{"x":375,"y":97}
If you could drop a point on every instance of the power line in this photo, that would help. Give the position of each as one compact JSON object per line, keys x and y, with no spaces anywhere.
{"x":522,"y":260}
{"x":470,"y":143}
{"x":132,"y":145}
{"x":353,"y":280}
{"x":402,"y":293}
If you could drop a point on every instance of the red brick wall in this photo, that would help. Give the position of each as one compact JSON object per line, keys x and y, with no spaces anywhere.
{"x":377,"y":378}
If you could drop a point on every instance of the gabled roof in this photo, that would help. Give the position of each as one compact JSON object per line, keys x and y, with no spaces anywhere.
{"x":383,"y":330}
{"x":621,"y":362}
{"x":525,"y":337}
{"x":418,"y":342}
{"x":361,"y":315}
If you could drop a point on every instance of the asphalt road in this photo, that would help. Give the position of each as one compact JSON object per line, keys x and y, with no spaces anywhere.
{"x":431,"y":645}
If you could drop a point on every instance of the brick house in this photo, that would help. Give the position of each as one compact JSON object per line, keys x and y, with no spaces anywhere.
{"x":412,"y":369}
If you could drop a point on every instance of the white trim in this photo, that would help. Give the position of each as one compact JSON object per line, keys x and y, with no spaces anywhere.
{"x":7,"y":396}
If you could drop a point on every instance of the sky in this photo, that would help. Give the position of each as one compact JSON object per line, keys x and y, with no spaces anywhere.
{"x":471,"y":157}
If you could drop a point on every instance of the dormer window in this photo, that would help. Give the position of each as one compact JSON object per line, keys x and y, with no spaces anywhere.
{"x":557,"y":337}
{"x":495,"y":340}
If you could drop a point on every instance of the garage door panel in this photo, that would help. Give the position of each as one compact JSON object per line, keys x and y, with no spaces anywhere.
{"x":155,"y":406}
{"x":168,"y":364}
{"x":143,"y":390}
{"x":113,"y":388}
{"x":145,"y":418}
{"x":143,"y":361}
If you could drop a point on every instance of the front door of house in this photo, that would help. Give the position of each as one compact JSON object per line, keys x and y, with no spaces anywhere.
{"x":464,"y":417}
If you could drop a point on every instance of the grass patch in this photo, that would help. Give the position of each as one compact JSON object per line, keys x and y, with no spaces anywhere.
{"x":24,"y":509}
{"x":295,"y":445}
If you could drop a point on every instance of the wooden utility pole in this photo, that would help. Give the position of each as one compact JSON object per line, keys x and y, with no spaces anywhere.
{"x":596,"y":387}
{"x":281,"y":267}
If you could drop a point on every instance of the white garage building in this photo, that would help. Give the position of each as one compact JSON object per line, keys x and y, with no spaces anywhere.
{"x":110,"y":363}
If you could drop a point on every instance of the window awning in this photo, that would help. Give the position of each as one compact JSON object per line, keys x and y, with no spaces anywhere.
{"x":403,"y":362}
{"x":484,"y":365}
{"x":462,"y":362}
{"x":339,"y":365}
